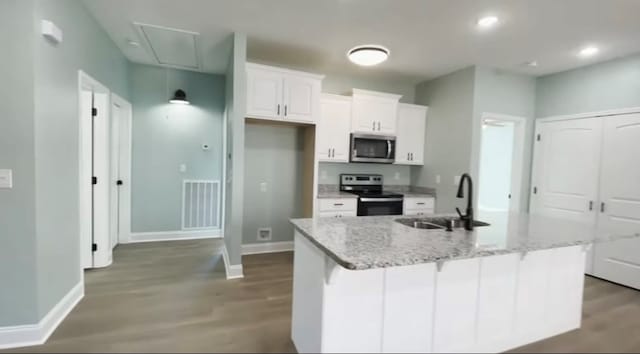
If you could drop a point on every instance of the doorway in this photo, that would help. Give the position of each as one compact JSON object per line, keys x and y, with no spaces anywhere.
{"x":120,"y":181}
{"x":501,"y":154}
{"x":94,"y":195}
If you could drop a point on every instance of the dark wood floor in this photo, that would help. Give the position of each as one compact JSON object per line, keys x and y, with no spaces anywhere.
{"x":173,"y":297}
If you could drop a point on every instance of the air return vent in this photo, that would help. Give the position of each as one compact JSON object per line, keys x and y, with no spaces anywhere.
{"x":264,"y":234}
{"x":200,"y":204}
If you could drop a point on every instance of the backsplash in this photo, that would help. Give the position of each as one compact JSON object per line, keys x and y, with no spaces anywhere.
{"x":329,"y":173}
{"x":404,"y":188}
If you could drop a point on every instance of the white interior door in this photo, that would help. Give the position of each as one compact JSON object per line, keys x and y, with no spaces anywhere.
{"x":620,"y":200}
{"x":86,"y":189}
{"x":566,"y":169}
{"x":102,"y":254}
{"x":119,"y":183}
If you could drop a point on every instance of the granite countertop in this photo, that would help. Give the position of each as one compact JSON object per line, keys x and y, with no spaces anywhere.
{"x":336,"y":195}
{"x":379,"y":241}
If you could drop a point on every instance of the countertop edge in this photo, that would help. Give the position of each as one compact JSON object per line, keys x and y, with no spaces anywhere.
{"x":336,"y":258}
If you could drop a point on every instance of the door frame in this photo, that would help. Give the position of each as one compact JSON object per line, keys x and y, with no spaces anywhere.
{"x":121,"y":152}
{"x":87,"y":257}
{"x":517,"y":161}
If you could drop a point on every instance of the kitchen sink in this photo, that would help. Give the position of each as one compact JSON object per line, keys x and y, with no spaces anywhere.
{"x":438,"y":223}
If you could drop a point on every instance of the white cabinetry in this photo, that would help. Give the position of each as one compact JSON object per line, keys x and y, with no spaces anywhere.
{"x":338,"y":207}
{"x":587,"y":170}
{"x":281,"y":94}
{"x":418,"y":206}
{"x":374,"y":112}
{"x":488,"y":304}
{"x":333,"y":127}
{"x":410,"y":134}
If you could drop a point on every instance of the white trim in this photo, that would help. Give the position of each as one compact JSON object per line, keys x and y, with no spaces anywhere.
{"x":609,"y":112}
{"x":255,"y":66}
{"x":269,"y":247}
{"x":37,"y":334}
{"x":138,"y":237}
{"x":233,"y":271}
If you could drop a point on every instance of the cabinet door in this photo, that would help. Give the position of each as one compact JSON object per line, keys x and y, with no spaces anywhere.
{"x":410,"y":134}
{"x":264,"y":94}
{"x":620,"y":192}
{"x":456,"y":306}
{"x":566,"y":168}
{"x":375,"y":114}
{"x":301,"y":98}
{"x":333,"y":129}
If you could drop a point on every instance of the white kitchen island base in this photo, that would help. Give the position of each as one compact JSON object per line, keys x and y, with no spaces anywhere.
{"x":486,"y":304}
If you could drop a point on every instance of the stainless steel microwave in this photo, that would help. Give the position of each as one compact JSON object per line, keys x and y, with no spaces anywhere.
{"x":373,"y":148}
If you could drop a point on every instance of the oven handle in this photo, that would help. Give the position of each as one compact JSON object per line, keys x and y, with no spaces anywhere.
{"x":381,"y":199}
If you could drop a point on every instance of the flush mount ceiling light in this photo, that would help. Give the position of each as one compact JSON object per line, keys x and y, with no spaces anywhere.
{"x":368,"y":55}
{"x":179,"y":97}
{"x":588,"y":51}
{"x":487,"y":22}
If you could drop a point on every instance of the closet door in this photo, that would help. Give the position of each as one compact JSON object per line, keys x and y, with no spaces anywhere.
{"x":565,"y":169}
{"x":620,"y":200}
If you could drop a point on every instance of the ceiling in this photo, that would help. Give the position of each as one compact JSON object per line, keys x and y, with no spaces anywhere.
{"x":427,"y":38}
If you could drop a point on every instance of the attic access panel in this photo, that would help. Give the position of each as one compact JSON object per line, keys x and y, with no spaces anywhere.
{"x":172,"y":47}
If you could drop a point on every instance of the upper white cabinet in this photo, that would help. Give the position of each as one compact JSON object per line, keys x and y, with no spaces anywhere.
{"x":332,"y":130}
{"x":374,"y":112}
{"x":412,"y":120}
{"x":281,"y":94}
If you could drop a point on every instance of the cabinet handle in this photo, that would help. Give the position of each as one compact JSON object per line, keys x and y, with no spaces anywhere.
{"x":420,"y":203}
{"x":285,"y":110}
{"x":378,"y":126}
{"x":329,"y":153}
{"x":602,"y":207}
{"x":374,"y":126}
{"x":278,"y":108}
{"x":333,"y":152}
{"x":411,"y":156}
{"x":590,"y":205}
{"x":408,"y":156}
{"x":338,"y":204}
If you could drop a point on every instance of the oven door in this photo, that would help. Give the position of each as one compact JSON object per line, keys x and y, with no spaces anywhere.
{"x":373,"y":148}
{"x":379,"y":206}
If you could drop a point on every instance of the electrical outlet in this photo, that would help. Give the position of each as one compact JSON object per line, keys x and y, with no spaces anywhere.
{"x":456,"y":180}
{"x":264,"y":234}
{"x":396,"y":176}
{"x":263,"y":187}
{"x":183,"y":168}
{"x":437,"y":179}
{"x":6,"y":180}
{"x":323,"y":174}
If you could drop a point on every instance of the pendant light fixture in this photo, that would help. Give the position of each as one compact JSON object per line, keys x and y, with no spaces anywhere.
{"x":179,"y":97}
{"x":368,"y":55}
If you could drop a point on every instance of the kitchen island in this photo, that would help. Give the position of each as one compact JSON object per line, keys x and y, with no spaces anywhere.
{"x":372,"y":284}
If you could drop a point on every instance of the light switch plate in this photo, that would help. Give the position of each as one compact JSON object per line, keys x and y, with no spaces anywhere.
{"x":6,"y":178}
{"x":263,"y":187}
{"x":437,"y":179}
{"x":456,"y":180}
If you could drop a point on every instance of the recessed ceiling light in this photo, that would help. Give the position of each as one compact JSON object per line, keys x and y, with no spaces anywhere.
{"x":487,"y":22}
{"x":588,"y":51}
{"x":532,"y":64}
{"x":368,"y":55}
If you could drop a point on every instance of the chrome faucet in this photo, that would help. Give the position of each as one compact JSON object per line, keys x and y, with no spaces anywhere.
{"x":468,"y":218}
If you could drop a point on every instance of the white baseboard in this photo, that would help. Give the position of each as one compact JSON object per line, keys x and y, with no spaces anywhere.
{"x":267,"y":247}
{"x":233,"y":271}
{"x":37,"y":334}
{"x":137,"y":237}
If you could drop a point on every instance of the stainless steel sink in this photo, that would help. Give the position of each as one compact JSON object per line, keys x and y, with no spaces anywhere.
{"x":439,"y":223}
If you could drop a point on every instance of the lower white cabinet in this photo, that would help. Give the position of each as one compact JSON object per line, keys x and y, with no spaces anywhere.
{"x":337,"y":207}
{"x":418,"y":206}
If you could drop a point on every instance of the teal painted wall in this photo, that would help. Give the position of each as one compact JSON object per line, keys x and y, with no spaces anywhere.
{"x":85,"y":47}
{"x":497,"y":91}
{"x":448,"y":134}
{"x":17,"y":152}
{"x":235,"y":114}
{"x":603,"y":86}
{"x":44,"y":120}
{"x":274,"y":155}
{"x":166,"y":136}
